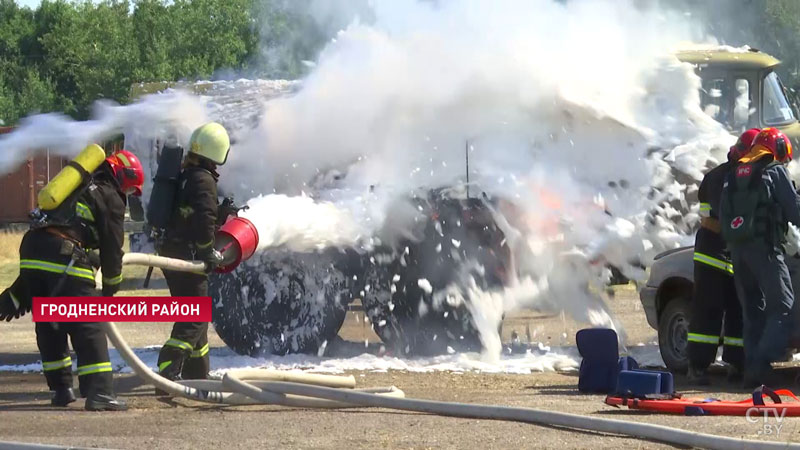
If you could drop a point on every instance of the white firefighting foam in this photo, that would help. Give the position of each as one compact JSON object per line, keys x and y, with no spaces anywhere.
{"x":541,"y":358}
{"x":576,"y":115}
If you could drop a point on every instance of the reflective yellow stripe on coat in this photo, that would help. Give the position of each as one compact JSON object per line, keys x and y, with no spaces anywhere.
{"x":84,"y":212}
{"x":94,"y":368}
{"x":733,"y":342}
{"x":48,"y":366}
{"x":713,"y":262}
{"x":703,"y":338}
{"x":35,"y":264}
{"x":172,"y":342}
{"x":113,"y":280}
{"x":199,"y":353}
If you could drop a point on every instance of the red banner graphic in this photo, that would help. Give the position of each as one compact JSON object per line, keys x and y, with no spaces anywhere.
{"x":122,"y":309}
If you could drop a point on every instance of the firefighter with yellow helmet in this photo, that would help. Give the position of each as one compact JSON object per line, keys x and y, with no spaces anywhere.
{"x":190,"y":236}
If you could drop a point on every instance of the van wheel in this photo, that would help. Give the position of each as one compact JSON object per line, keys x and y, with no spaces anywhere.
{"x":673,"y":334}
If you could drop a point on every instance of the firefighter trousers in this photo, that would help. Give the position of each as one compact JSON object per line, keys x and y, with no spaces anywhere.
{"x":185,"y":353}
{"x":765,"y":292}
{"x":45,"y":272}
{"x":715,"y":303}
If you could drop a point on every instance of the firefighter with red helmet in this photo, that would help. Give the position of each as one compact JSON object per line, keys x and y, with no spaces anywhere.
{"x":714,"y":295}
{"x":57,"y":257}
{"x":758,"y":202}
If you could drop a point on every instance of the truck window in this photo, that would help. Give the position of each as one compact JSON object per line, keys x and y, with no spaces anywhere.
{"x":742,"y":109}
{"x":712,"y":99}
{"x":776,"y":109}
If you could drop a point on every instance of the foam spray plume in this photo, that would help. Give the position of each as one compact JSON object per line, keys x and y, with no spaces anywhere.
{"x":175,"y":113}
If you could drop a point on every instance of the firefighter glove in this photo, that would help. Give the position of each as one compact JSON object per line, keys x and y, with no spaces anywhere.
{"x":11,"y":307}
{"x":110,"y":289}
{"x":94,"y":258}
{"x":213,"y":259}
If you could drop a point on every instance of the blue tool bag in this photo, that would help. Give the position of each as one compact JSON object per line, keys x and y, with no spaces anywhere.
{"x":600,"y":365}
{"x":640,"y":383}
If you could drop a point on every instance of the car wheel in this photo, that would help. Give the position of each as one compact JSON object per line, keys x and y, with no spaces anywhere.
{"x":280,"y":303}
{"x":673,"y":334}
{"x":403,"y":293}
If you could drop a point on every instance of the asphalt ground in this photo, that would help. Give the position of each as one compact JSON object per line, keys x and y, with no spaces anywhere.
{"x":26,"y":416}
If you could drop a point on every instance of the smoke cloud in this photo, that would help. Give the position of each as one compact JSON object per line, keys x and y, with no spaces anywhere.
{"x":576,"y":117}
{"x":576,"y":113}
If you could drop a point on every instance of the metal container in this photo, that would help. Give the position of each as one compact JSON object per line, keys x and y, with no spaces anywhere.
{"x":22,"y":186}
{"x":237,"y":241}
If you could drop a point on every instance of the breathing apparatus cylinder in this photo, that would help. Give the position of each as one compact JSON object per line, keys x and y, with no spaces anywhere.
{"x":165,"y":187}
{"x":71,"y":177}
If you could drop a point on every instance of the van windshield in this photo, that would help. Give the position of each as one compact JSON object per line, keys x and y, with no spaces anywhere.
{"x":776,"y":109}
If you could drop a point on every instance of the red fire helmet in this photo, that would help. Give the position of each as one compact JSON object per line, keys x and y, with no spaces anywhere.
{"x":128,"y":171}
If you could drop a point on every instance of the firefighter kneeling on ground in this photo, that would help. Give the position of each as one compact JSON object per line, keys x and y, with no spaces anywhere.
{"x":758,"y":201}
{"x":190,"y":236}
{"x":56,"y":259}
{"x":714,"y":289}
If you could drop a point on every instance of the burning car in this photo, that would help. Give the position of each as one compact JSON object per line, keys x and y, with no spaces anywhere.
{"x":284,"y":301}
{"x":287,"y":302}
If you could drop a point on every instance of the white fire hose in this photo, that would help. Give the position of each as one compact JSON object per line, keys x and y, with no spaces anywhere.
{"x":248,"y":387}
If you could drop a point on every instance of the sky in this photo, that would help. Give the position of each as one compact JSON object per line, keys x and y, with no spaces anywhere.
{"x":30,"y":3}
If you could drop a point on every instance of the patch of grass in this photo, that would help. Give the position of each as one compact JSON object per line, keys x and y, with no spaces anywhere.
{"x":629,"y":287}
{"x":143,"y":293}
{"x":140,"y":272}
{"x":133,"y":275}
{"x":9,"y":246}
{"x":8,"y":273}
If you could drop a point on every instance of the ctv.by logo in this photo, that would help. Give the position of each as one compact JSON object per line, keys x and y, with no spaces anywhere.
{"x":763,"y":415}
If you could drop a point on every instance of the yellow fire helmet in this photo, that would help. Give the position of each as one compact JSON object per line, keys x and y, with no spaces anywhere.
{"x":211,"y":142}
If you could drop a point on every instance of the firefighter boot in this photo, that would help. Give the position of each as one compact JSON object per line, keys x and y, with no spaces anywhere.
{"x":170,"y":365}
{"x":63,"y":397}
{"x":698,"y":377}
{"x":105,"y":402}
{"x":735,"y":374}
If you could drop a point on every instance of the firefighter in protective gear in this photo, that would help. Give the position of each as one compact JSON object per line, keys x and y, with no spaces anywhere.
{"x":211,"y":143}
{"x":190,"y":236}
{"x":128,"y":171}
{"x":714,"y":293}
{"x":758,"y":201}
{"x":56,"y":259}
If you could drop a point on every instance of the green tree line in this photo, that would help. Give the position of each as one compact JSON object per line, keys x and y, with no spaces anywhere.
{"x":64,"y":55}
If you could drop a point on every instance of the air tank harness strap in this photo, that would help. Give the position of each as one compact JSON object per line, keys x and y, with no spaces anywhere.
{"x":80,"y":252}
{"x":66,"y":236}
{"x":85,"y":175}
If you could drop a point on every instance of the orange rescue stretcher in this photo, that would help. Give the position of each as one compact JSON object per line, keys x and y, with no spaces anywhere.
{"x":716,"y":407}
